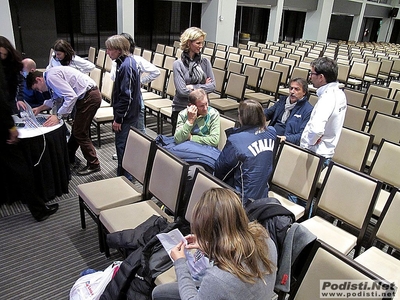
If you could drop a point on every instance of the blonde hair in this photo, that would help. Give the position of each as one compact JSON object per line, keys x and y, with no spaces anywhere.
{"x":118,"y":42}
{"x":191,"y":34}
{"x":224,"y":233}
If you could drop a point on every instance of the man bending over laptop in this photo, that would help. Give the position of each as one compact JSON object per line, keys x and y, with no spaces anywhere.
{"x":69,"y":87}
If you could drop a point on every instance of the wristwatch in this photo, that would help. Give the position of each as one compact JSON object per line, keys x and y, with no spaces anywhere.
{"x":59,"y":117}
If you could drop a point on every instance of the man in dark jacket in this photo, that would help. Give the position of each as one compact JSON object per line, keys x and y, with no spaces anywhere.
{"x":290,"y":114}
{"x":126,"y":96}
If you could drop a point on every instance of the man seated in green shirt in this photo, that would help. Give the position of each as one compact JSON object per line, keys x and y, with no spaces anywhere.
{"x":198,"y":122}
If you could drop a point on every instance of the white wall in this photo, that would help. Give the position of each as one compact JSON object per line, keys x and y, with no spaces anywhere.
{"x":6,"y":29}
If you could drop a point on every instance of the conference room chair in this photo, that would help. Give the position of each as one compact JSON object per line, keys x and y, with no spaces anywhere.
{"x":221,"y":47}
{"x":169,"y":62}
{"x":265,"y":64}
{"x":372,"y":71}
{"x":385,"y":231}
{"x":234,"y":67}
{"x":225,"y":123}
{"x":267,"y":51}
{"x":95,"y":74}
{"x":284,"y":69}
{"x":356,"y":117}
{"x":210,"y":44}
{"x":384,"y":72}
{"x":313,"y":99}
{"x":381,"y":104}
{"x":202,"y":182}
{"x":234,"y":57}
{"x":169,"y":50}
{"x":248,"y":60}
{"x":304,"y":64}
{"x":220,"y":54}
{"x":220,"y":80}
{"x":379,"y":129}
{"x":385,"y":167}
{"x":395,"y":73}
{"x":137,"y":51}
{"x":291,"y":63}
{"x":157,"y":86}
{"x":147,"y":55}
{"x":245,"y":52}
{"x":254,"y":74}
{"x":326,"y":264}
{"x":101,"y":57}
{"x":104,"y":114}
{"x":396,"y":97}
{"x":92,"y":54}
{"x":160,"y":48}
{"x":118,"y":191}
{"x":394,"y":85}
{"x":107,"y":64}
{"x":295,"y":57}
{"x":376,"y":90}
{"x":280,"y":53}
{"x":158,"y":59}
{"x":164,"y":200}
{"x":154,"y":106}
{"x":355,"y":156}
{"x":274,"y":59}
{"x":258,"y":55}
{"x":343,"y":73}
{"x":343,"y":190}
{"x":233,"y":93}
{"x":233,"y":49}
{"x":178,"y":53}
{"x":296,"y":73}
{"x":220,"y":63}
{"x":268,"y":88}
{"x":356,"y":75}
{"x":295,"y":173}
{"x":354,"y":97}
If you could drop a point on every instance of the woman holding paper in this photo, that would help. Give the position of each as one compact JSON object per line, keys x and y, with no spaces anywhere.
{"x":243,"y":257}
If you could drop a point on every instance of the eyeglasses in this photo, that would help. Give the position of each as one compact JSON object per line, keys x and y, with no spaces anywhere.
{"x":312,"y":73}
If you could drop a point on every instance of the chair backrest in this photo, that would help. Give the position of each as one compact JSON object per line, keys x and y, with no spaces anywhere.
{"x":147,"y":55}
{"x":254,"y":74}
{"x":169,"y":62}
{"x":343,"y":72}
{"x":101,"y":57}
{"x":169,"y":50}
{"x":285,"y":69}
{"x":170,"y":89}
{"x":221,"y":47}
{"x":270,"y":81}
{"x":232,"y":49}
{"x":387,"y":227}
{"x":137,"y":51}
{"x":394,"y":85}
{"x":158,"y":59}
{"x":384,"y":126}
{"x":220,"y":63}
{"x":248,"y":60}
{"x":275,"y":59}
{"x":356,"y":156}
{"x":356,"y":117}
{"x":208,"y":51}
{"x":258,"y":55}
{"x":396,"y":97}
{"x":357,"y":70}
{"x":235,"y":66}
{"x":304,"y":64}
{"x":236,"y":86}
{"x":160,"y":48}
{"x":299,"y":73}
{"x":234,"y":57}
{"x":386,"y":163}
{"x":327,"y":264}
{"x":220,"y":79}
{"x":95,"y":74}
{"x":225,"y":123}
{"x":244,"y":52}
{"x":376,"y":90}
{"x":92,"y":54}
{"x":108,"y":64}
{"x":203,"y":181}
{"x":159,"y":84}
{"x":220,"y":53}
{"x":107,"y":86}
{"x":313,"y":99}
{"x":386,"y":66}
{"x":373,"y":67}
{"x":296,"y":171}
{"x":265,"y":64}
{"x":168,"y":192}
{"x":138,"y":156}
{"x":178,"y":53}
{"x":381,"y":104}
{"x":354,"y":97}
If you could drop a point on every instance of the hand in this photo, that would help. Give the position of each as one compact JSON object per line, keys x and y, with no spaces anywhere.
{"x":192,"y":113}
{"x":192,"y":242}
{"x":13,"y":137}
{"x":209,"y":80}
{"x":190,"y":87}
{"x":178,"y":251}
{"x":51,"y":121}
{"x":116,"y":126}
{"x":282,"y":138}
{"x":21,"y":105}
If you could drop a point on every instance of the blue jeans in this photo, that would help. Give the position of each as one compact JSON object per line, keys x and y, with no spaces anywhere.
{"x":120,"y":144}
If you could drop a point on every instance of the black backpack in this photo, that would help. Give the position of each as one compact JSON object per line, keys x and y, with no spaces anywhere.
{"x":270,"y":213}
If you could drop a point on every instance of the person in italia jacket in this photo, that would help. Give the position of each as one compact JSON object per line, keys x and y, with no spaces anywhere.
{"x":248,"y":153}
{"x":290,"y":114}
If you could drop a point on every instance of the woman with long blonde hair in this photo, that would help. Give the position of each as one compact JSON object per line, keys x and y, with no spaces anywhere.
{"x":243,"y":257}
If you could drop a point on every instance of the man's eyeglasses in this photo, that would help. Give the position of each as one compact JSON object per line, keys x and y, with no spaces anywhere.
{"x":313,"y":73}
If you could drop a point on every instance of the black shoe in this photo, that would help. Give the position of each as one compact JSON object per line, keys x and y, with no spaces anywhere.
{"x":49,"y":210}
{"x":87,"y":170}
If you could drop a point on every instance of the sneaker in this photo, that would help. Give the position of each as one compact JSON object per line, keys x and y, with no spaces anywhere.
{"x":87,"y":170}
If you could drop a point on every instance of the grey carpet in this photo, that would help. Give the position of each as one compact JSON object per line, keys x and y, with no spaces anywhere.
{"x":41,"y":261}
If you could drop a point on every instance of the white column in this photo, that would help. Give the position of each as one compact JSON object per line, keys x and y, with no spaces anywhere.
{"x":386,"y":30}
{"x":275,"y":19}
{"x":218,"y":20}
{"x":6,"y":28}
{"x":317,"y":22}
{"x":126,"y":16}
{"x":357,"y":23}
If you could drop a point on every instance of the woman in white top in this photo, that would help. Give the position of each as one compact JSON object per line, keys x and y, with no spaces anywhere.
{"x":64,"y":55}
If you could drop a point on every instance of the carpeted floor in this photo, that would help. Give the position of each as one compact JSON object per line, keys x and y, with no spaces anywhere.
{"x":41,"y":261}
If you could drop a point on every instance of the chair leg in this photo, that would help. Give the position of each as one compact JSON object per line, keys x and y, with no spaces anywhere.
{"x":102,"y":241}
{"x":98,"y":135}
{"x":82,"y":213}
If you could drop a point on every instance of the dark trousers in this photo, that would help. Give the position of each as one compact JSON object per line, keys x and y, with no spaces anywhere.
{"x":86,"y":108}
